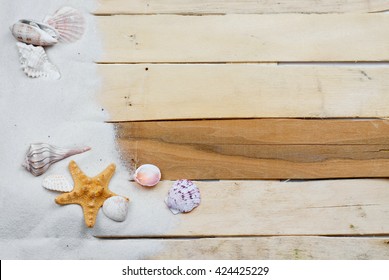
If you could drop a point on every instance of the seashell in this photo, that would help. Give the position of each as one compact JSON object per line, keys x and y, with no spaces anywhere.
{"x":183,"y":197}
{"x":57,"y":183}
{"x":33,"y":32}
{"x":35,"y":62}
{"x":68,"y":22}
{"x":147,"y":175}
{"x":116,"y":208}
{"x":41,"y":156}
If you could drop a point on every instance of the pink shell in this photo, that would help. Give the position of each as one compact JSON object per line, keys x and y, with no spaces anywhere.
{"x":31,"y":32}
{"x":147,"y":175}
{"x":183,"y":197}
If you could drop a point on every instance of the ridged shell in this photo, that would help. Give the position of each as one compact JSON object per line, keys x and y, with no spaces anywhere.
{"x":147,"y":175}
{"x":33,"y":32}
{"x":35,"y":63}
{"x":68,"y":22}
{"x":116,"y":208}
{"x":41,"y":156}
{"x":183,"y":197}
{"x":57,"y":183}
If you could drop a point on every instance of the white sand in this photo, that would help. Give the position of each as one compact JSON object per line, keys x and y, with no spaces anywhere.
{"x":63,"y":113}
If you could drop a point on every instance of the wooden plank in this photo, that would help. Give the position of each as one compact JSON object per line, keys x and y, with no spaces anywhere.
{"x":152,"y":92}
{"x":237,"y":7}
{"x":253,"y":248}
{"x":259,"y":149}
{"x":257,"y":208}
{"x":244,"y":38}
{"x":261,"y":131}
{"x":277,"y":248}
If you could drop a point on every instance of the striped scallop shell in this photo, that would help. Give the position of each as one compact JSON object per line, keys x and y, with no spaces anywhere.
{"x":57,"y":183}
{"x":35,"y":33}
{"x":183,"y":197}
{"x":116,"y":208}
{"x":41,"y":156}
{"x":35,"y":62}
{"x":68,"y":22}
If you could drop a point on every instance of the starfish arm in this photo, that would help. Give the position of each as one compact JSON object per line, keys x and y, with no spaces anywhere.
{"x":105,"y":176}
{"x":91,"y":209}
{"x":77,"y":174}
{"x":66,"y":198}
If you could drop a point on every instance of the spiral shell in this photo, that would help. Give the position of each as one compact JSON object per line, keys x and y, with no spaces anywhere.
{"x":33,"y":32}
{"x":41,"y":156}
{"x":183,"y":197}
{"x":116,"y":208}
{"x":35,"y":62}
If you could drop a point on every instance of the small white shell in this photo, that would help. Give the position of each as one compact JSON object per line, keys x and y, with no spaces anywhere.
{"x":33,"y":32}
{"x":68,"y":22}
{"x":57,"y":183}
{"x":35,"y":63}
{"x":116,"y":208}
{"x":183,"y":197}
{"x":147,"y":175}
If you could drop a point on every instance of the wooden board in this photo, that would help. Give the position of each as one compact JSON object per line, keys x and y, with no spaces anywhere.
{"x":237,"y":7}
{"x":257,"y":208}
{"x":152,"y":92}
{"x":259,"y":149}
{"x":253,"y":248}
{"x":276,"y":248}
{"x":244,"y":38}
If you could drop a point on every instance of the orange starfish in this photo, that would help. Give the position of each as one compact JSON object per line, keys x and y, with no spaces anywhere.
{"x":88,"y":192}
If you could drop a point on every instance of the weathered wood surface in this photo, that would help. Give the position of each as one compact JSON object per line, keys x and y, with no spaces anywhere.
{"x":253,"y":248}
{"x":247,"y":208}
{"x":277,"y":248}
{"x":244,"y":38}
{"x":259,"y":149}
{"x":237,"y":7}
{"x":152,"y":92}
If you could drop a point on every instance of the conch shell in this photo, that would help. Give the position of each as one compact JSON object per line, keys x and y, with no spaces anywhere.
{"x":41,"y":156}
{"x":35,"y":33}
{"x":66,"y":25}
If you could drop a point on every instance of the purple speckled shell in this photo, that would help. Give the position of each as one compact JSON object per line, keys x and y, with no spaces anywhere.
{"x":183,"y":197}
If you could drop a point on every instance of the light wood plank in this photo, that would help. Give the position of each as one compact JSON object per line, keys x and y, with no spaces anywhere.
{"x":246,"y":208}
{"x":244,"y":38}
{"x":237,"y":7}
{"x":279,"y":248}
{"x":152,"y":92}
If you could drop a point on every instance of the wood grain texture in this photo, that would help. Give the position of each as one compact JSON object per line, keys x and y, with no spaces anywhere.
{"x":154,"y":92}
{"x":277,"y":248}
{"x":253,"y":248}
{"x":244,"y":38}
{"x":237,"y":7}
{"x":252,"y":208}
{"x":259,"y":149}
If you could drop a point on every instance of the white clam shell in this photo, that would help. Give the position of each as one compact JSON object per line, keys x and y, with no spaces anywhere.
{"x":33,"y":32}
{"x":57,"y":183}
{"x":147,"y":175}
{"x":68,"y":22}
{"x":35,"y":62}
{"x":116,"y":208}
{"x":183,"y":197}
